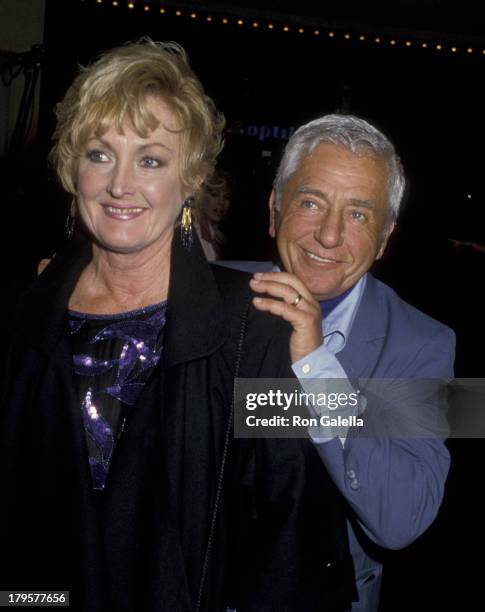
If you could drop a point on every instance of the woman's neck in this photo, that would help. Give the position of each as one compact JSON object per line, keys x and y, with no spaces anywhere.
{"x":119,"y":282}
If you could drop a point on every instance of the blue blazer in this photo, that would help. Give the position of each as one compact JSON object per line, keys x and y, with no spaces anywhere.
{"x":393,"y":487}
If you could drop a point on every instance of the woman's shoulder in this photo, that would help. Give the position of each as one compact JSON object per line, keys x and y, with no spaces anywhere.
{"x":237,"y":298}
{"x":233,"y":285}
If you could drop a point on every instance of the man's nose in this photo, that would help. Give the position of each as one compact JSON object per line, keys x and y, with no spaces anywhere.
{"x":330,"y":232}
{"x":122,"y":180}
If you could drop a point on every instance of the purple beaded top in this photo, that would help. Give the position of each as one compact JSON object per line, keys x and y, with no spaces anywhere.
{"x":114,"y":356}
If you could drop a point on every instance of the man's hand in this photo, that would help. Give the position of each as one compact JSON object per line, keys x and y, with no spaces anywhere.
{"x":295,"y":304}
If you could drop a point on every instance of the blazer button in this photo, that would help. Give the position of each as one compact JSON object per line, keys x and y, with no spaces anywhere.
{"x":355,"y":484}
{"x":351,"y":474}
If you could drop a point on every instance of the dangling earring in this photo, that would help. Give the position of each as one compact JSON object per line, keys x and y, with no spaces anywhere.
{"x":186,"y":228}
{"x":70,"y":220}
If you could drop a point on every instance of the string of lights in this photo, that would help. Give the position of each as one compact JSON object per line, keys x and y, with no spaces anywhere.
{"x":274,"y":25}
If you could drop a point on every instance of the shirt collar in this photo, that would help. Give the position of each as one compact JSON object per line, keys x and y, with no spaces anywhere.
{"x":326,"y":306}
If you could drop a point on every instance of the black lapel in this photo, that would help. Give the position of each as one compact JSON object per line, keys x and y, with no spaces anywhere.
{"x":196,"y":322}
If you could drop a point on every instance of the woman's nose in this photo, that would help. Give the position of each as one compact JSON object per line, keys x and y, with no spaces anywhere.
{"x":122,"y":181}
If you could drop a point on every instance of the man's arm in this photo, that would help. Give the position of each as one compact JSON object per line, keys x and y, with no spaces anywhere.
{"x":394,"y":486}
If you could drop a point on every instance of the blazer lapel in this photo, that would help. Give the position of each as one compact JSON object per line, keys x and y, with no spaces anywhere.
{"x":364,"y":344}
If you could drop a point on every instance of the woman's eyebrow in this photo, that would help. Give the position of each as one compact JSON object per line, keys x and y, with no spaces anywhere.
{"x":105,"y":143}
{"x":156,"y":144}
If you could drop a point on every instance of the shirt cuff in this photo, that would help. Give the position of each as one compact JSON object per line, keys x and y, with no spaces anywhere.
{"x":316,"y":373}
{"x":320,"y":363}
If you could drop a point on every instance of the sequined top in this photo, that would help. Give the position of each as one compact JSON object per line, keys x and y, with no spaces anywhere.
{"x":114,"y":356}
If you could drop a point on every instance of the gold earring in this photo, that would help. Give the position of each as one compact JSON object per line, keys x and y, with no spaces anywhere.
{"x":186,"y":227}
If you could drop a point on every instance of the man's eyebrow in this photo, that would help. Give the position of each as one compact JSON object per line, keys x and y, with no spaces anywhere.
{"x":362,"y":203}
{"x":311,"y":191}
{"x":323,"y":196}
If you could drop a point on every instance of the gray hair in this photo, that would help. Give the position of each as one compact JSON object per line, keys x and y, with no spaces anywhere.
{"x":354,"y":134}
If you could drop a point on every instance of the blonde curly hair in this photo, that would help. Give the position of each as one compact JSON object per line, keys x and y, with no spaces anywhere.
{"x":114,"y":90}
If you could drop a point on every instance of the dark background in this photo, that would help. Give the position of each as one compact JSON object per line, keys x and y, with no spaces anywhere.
{"x":429,"y":102}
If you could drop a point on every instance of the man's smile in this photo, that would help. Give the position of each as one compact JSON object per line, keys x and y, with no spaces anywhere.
{"x":327,"y":260}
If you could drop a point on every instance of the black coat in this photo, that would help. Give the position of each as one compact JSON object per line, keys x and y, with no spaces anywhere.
{"x":279,"y":540}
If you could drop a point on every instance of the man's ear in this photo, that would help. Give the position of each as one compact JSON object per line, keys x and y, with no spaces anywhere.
{"x":272,"y":214}
{"x":385,"y":239}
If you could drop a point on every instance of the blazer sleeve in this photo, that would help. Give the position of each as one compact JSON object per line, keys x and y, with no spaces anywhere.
{"x":395,"y":485}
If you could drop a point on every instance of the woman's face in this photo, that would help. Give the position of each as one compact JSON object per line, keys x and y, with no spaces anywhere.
{"x":215,"y":206}
{"x":129,"y":188}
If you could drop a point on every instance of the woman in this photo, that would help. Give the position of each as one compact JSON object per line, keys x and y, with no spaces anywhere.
{"x":117,"y":467}
{"x":212,"y":208}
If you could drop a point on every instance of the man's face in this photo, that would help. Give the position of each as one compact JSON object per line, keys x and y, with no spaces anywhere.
{"x":331,"y":225}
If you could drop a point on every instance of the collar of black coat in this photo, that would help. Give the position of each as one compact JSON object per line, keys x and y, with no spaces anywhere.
{"x":196,"y":322}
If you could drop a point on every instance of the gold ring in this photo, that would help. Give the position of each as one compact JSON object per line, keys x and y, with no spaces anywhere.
{"x":297,"y":299}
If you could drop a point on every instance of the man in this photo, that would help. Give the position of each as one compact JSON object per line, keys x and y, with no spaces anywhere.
{"x":334,"y":205}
